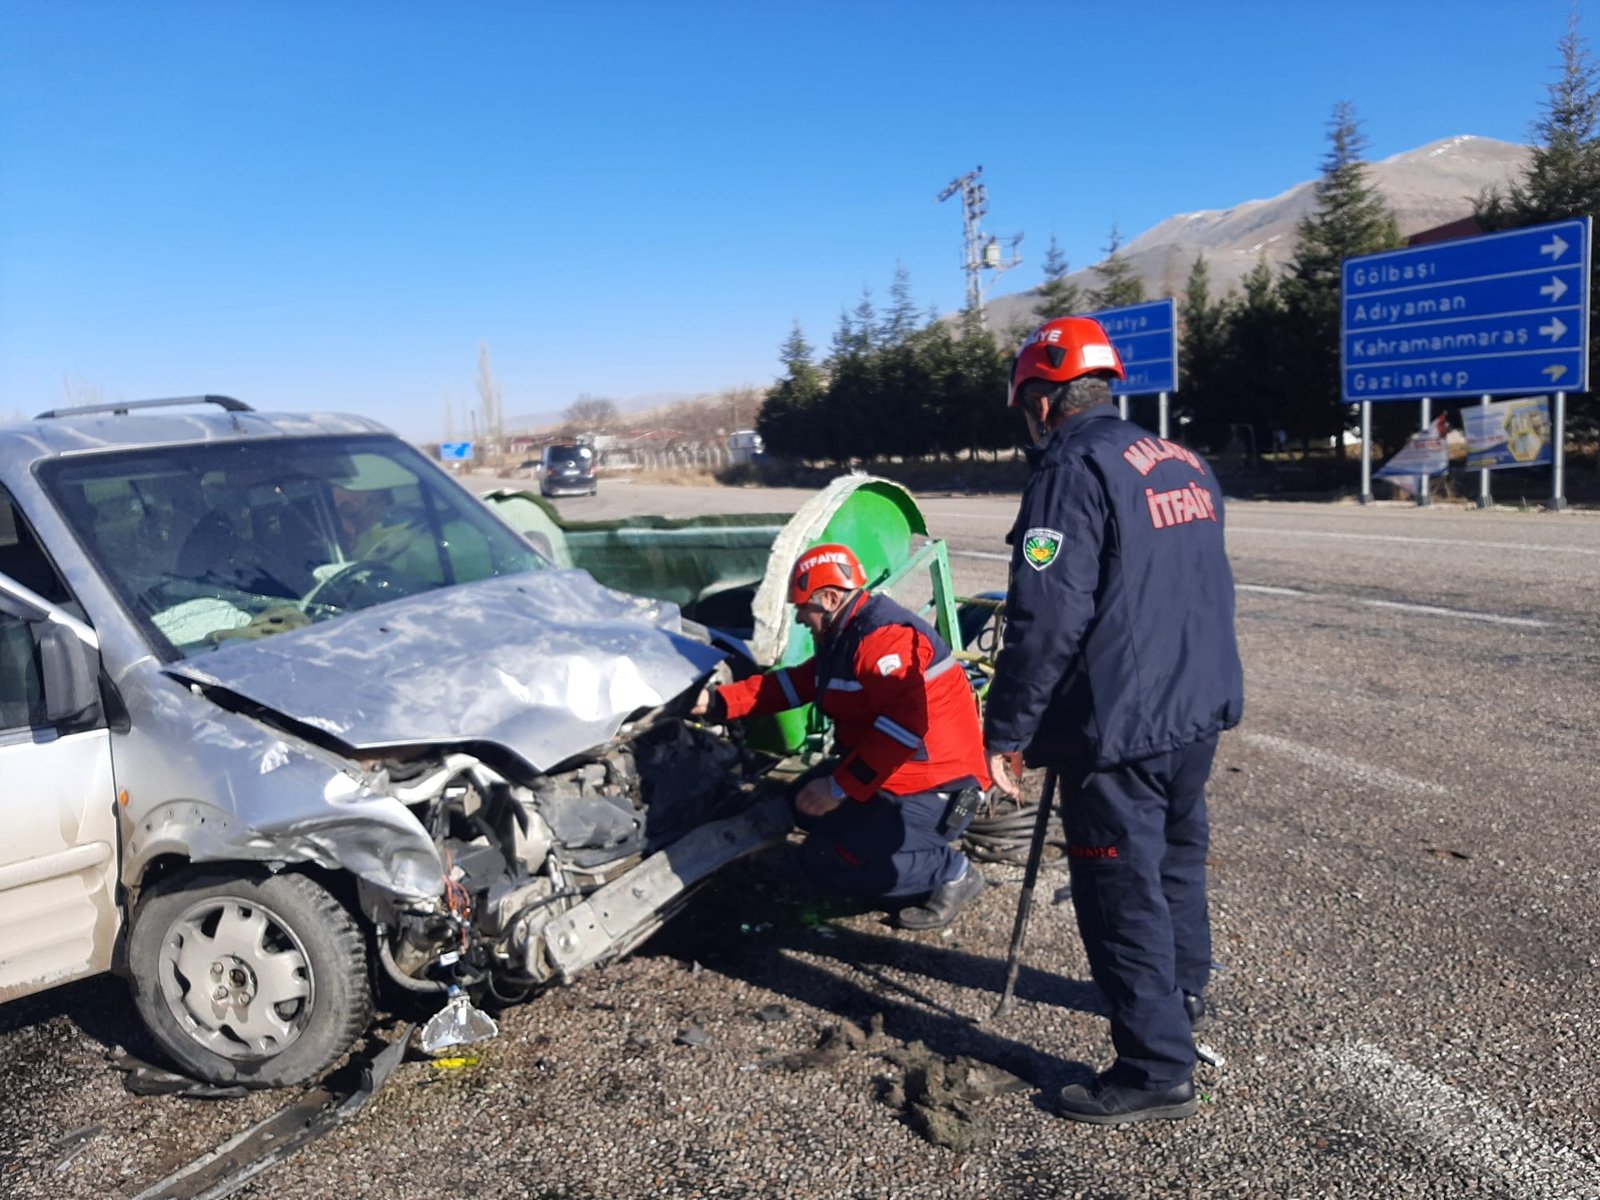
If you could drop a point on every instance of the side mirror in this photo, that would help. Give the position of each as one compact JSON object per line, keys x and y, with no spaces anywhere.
{"x":71,"y":674}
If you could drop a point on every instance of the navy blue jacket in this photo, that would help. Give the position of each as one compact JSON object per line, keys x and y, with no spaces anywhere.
{"x":1119,"y":638}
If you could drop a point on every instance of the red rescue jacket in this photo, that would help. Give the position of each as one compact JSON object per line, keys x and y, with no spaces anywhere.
{"x":904,"y":716}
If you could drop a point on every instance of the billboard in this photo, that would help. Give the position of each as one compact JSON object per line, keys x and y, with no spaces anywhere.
{"x":1510,"y":433}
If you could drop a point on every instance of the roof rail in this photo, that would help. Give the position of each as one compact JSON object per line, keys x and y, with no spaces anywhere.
{"x":228,"y":403}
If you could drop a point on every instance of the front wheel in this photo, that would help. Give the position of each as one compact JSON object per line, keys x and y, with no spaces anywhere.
{"x":253,"y":981}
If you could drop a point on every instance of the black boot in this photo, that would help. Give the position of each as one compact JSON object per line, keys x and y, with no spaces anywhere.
{"x":1106,"y":1103}
{"x":1195,"y":1005}
{"x":943,"y":903}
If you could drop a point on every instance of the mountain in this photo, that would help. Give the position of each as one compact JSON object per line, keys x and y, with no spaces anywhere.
{"x":1426,"y":187}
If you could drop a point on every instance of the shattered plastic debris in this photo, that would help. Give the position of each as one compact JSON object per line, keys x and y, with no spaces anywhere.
{"x":454,"y":1064}
{"x":75,"y":1143}
{"x":144,"y":1079}
{"x":1207,"y":1055}
{"x":772,"y":1012}
{"x":458,"y":1023}
{"x":341,"y":1094}
{"x":692,"y":1035}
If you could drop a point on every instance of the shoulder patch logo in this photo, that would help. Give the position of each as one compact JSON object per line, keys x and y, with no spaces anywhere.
{"x":889,"y":664}
{"x":1040,"y":547}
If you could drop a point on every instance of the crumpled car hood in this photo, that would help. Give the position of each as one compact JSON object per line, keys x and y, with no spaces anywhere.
{"x":543,"y":665}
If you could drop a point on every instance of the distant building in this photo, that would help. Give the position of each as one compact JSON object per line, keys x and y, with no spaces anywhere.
{"x":1448,"y":232}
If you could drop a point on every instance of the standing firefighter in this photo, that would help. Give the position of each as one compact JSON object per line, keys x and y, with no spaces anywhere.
{"x":1118,"y":672}
{"x":911,"y":765}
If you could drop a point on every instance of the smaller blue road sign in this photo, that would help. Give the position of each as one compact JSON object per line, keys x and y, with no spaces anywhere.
{"x":455,"y":451}
{"x":1505,"y":313}
{"x":1146,"y":338}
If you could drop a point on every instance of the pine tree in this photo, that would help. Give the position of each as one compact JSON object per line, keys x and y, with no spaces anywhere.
{"x":1350,"y":217}
{"x":1057,"y":297}
{"x":846,"y":425}
{"x":1562,"y":179}
{"x":1252,"y":386}
{"x":899,"y":419}
{"x":1117,"y":284}
{"x":1202,"y":323}
{"x":901,"y":322}
{"x":971,"y":391}
{"x":864,"y":321}
{"x":790,"y":418}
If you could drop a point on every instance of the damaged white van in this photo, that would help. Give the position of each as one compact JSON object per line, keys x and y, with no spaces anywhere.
{"x":288,"y":717}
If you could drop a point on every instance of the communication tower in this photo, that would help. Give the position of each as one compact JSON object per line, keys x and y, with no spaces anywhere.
{"x":982,"y":252}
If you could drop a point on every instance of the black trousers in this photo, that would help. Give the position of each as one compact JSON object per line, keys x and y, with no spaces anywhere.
{"x":1137,"y":839}
{"x":888,"y":848}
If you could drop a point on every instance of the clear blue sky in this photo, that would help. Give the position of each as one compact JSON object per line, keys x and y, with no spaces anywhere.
{"x":329,"y":205}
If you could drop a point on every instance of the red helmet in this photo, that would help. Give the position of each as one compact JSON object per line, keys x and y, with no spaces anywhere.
{"x":827,"y":565}
{"x":1061,"y":350}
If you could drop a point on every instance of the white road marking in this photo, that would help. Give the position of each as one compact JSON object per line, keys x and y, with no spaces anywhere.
{"x":1471,"y":1133}
{"x":980,"y":554}
{"x":1401,"y":539}
{"x":1464,"y":614}
{"x":1007,"y":517}
{"x":1270,"y":591}
{"x":1426,"y":610}
{"x":1337,"y":764}
{"x":1542,"y":547}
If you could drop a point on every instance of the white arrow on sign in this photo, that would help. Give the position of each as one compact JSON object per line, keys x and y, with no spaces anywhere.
{"x":1555,"y":289}
{"x":1554,"y":330}
{"x":1555,"y":371}
{"x":1555,"y":247}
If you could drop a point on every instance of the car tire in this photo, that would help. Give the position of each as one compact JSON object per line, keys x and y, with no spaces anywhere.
{"x":258,"y":981}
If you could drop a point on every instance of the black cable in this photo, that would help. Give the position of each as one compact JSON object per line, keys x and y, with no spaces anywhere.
{"x":540,"y":902}
{"x":1004,"y":836}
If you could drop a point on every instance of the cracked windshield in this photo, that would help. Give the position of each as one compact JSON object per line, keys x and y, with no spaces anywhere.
{"x":209,"y":544}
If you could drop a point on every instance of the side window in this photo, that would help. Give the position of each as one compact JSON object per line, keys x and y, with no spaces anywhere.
{"x":23,"y":560}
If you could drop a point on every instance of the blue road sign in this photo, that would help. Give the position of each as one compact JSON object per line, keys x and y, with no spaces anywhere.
{"x":1146,"y":338}
{"x":1502,"y":314}
{"x":455,"y":451}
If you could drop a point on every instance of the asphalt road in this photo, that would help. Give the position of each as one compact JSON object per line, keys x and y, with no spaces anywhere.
{"x":1403,"y":883}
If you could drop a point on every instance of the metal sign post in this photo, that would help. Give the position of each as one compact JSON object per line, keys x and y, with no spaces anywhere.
{"x":1423,"y":498}
{"x":1484,"y":499}
{"x":1558,"y":437}
{"x":1366,"y":452}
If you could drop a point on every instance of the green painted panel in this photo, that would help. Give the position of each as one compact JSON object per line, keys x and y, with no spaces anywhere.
{"x":711,"y":565}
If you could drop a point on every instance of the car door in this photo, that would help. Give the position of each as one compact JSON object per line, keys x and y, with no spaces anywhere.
{"x":58,"y":827}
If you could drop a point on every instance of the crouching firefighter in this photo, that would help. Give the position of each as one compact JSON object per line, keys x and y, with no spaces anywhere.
{"x":910,"y":767}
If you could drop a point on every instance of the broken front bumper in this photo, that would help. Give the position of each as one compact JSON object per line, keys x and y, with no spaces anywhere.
{"x":613,"y":920}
